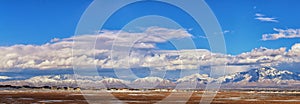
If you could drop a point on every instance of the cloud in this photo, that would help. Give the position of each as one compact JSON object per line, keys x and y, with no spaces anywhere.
{"x":281,"y":33}
{"x":266,"y":19}
{"x":58,"y":53}
{"x":269,"y":57}
{"x":260,"y":56}
{"x":295,"y":50}
{"x":226,"y":31}
{"x":54,"y":40}
{"x":223,"y":33}
{"x":146,"y":39}
{"x":143,"y":53}
{"x":259,"y":15}
{"x":263,"y":18}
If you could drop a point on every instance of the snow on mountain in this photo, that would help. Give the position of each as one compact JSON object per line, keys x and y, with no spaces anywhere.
{"x":114,"y":83}
{"x":69,"y":80}
{"x":56,"y":80}
{"x":61,"y":79}
{"x":199,"y":78}
{"x":113,"y":80}
{"x":151,"y":82}
{"x":255,"y":77}
{"x":260,"y":75}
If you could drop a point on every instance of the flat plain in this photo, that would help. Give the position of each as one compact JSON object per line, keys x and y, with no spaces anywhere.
{"x":76,"y":97}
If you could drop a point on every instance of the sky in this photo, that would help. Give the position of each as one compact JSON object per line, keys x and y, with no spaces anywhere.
{"x":37,"y":22}
{"x":39,"y":34}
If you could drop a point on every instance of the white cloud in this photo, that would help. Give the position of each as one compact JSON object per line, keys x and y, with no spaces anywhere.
{"x":55,"y":40}
{"x":226,"y":31}
{"x":260,"y":56}
{"x":266,"y":19}
{"x":295,"y":49}
{"x":58,"y":55}
{"x":259,"y":15}
{"x":269,"y":57}
{"x":263,"y":18}
{"x":223,"y":33}
{"x":281,"y":33}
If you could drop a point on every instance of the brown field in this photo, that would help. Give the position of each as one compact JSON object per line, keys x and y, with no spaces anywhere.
{"x":63,"y":97}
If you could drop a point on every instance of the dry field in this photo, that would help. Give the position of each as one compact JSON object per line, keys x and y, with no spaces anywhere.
{"x":63,"y":97}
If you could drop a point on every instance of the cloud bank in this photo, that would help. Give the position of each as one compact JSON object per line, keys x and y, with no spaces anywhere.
{"x":58,"y":53}
{"x":143,"y":53}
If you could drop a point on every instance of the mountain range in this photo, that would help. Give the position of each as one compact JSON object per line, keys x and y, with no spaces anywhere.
{"x":257,"y":77}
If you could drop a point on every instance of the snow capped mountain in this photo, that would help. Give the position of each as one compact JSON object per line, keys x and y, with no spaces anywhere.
{"x":151,"y":82}
{"x":69,"y":80}
{"x":66,"y":78}
{"x":199,"y":78}
{"x":265,"y":76}
{"x":260,"y":75}
{"x":56,"y":80}
{"x":113,"y":80}
{"x":114,"y":83}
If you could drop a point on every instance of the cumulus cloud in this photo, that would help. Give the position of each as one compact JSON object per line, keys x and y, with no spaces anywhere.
{"x":260,"y":56}
{"x":269,"y":57}
{"x":295,"y":50}
{"x":142,"y":53}
{"x":262,"y":17}
{"x":58,"y":53}
{"x":281,"y":33}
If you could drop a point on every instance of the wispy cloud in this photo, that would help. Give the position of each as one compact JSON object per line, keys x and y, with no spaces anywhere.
{"x":281,"y":33}
{"x":226,"y":31}
{"x":267,"y":19}
{"x":259,"y":15}
{"x":264,"y":18}
{"x":223,"y":33}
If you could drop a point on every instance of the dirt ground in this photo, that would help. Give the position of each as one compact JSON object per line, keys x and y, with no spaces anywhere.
{"x":76,"y":97}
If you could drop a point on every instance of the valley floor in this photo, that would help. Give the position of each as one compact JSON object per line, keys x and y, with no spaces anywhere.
{"x":222,"y":97}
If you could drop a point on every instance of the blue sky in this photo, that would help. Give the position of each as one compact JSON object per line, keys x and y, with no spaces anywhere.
{"x":39,"y":21}
{"x":239,"y":17}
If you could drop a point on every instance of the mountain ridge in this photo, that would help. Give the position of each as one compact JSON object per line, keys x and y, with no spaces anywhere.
{"x":258,"y":77}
